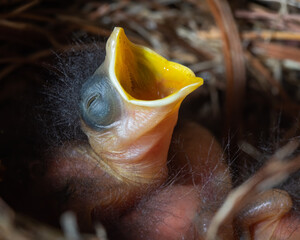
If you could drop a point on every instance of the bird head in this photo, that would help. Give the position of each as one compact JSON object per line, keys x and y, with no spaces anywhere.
{"x":129,"y":108}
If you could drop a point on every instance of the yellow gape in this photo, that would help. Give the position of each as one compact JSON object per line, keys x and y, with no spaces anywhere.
{"x":144,"y":77}
{"x":150,"y":90}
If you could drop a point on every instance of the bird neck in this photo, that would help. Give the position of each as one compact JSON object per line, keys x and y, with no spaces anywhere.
{"x":142,"y":160}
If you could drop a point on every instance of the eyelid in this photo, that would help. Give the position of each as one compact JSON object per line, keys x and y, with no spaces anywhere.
{"x":106,"y":111}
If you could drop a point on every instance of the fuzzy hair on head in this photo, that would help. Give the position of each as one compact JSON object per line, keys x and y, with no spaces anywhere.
{"x":62,"y":92}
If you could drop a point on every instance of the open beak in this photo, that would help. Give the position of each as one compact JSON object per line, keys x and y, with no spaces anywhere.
{"x":143,"y":77}
{"x":139,"y":93}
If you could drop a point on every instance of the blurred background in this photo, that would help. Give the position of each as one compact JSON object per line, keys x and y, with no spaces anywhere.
{"x":247,"y":52}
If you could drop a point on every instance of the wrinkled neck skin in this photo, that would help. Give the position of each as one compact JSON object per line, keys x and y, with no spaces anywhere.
{"x":135,"y":149}
{"x":118,"y":166}
{"x":129,"y":108}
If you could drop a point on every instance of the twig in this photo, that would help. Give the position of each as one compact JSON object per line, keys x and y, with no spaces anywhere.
{"x":294,"y":3}
{"x":201,"y":54}
{"x":266,"y":16}
{"x":69,"y":226}
{"x":9,"y":69}
{"x":235,"y":65}
{"x":253,"y":35}
{"x":262,"y":70}
{"x":287,"y":105}
{"x":30,"y":27}
{"x":20,"y":61}
{"x":274,"y":172}
{"x":100,"y":231}
{"x":278,"y":51}
{"x":18,"y":227}
{"x":268,"y":35}
{"x":20,"y":9}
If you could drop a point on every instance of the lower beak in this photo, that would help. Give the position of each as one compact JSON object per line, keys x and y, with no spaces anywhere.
{"x":145,"y":92}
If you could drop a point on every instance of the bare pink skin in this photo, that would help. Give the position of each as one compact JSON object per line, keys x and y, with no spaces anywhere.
{"x":269,"y":216}
{"x":169,"y":215}
{"x":180,"y":208}
{"x":87,"y":187}
{"x":288,"y":227}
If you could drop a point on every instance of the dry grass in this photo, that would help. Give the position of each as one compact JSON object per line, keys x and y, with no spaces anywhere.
{"x":248,"y":55}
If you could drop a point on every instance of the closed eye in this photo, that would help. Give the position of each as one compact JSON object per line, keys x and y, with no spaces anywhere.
{"x":92,"y":99}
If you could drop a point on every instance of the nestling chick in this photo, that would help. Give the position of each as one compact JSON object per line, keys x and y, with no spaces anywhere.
{"x":124,"y":174}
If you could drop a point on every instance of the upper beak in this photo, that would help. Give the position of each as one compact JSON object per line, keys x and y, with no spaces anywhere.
{"x":130,"y":107}
{"x":144,"y":78}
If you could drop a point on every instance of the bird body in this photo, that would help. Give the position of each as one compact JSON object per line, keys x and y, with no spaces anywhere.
{"x":136,"y":176}
{"x":129,"y":108}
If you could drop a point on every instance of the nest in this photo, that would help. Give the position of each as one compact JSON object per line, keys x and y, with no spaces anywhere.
{"x":247,"y":52}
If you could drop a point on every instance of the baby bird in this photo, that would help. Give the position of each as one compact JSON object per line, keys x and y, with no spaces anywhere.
{"x":137,"y":177}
